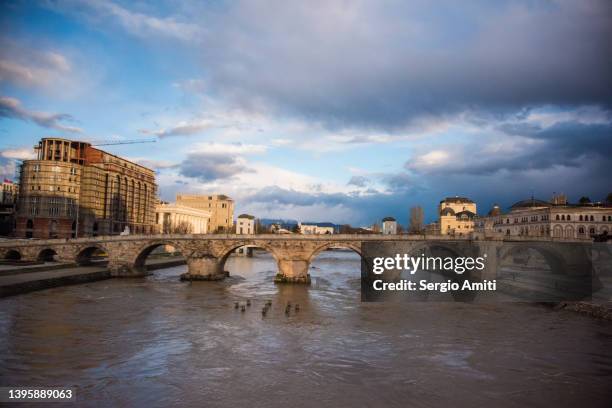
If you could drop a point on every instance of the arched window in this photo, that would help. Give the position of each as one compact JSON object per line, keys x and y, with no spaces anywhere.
{"x":592,"y":231}
{"x":557,"y":217}
{"x":581,"y":230}
{"x":563,"y":217}
{"x":580,"y":218}
{"x":569,"y":217}
{"x":592,"y":218}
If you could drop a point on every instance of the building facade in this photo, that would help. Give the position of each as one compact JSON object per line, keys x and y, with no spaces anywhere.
{"x":310,"y":228}
{"x":8,"y":201}
{"x":73,"y":189}
{"x":221,"y":208}
{"x":457,"y":215}
{"x":178,"y":219}
{"x":389,"y":226}
{"x":245,"y":224}
{"x":556,"y":219}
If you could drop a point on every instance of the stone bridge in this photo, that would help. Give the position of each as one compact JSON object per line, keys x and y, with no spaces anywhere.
{"x":206,"y":254}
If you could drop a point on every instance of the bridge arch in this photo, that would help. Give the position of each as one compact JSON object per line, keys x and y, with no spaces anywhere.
{"x":47,"y":255}
{"x":345,"y":245}
{"x":86,"y":254}
{"x":13,"y":255}
{"x":554,"y":259}
{"x":145,"y":250}
{"x":229,"y":249}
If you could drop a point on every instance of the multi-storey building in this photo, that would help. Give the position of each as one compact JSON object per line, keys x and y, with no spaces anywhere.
{"x":245,"y":224}
{"x":556,"y":219}
{"x":457,"y":215}
{"x":8,"y":193}
{"x":8,"y":200}
{"x":73,"y":189}
{"x":220,"y":206}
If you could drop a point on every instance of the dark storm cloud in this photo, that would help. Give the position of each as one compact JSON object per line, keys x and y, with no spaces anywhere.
{"x":359,"y":181}
{"x":566,"y":144}
{"x":208,"y":167}
{"x":380,"y":65}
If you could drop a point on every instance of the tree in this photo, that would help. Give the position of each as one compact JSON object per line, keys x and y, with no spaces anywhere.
{"x":584,"y":200}
{"x":296,"y":229}
{"x":416,"y":220}
{"x":609,"y":199}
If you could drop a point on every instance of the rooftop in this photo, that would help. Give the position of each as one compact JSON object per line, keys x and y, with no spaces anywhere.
{"x":456,"y":199}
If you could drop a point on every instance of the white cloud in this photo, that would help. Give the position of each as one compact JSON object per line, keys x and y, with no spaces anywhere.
{"x":11,"y":108}
{"x":18,"y":153}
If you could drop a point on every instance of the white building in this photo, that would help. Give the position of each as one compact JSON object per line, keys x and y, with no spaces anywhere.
{"x":178,"y":219}
{"x":315,"y":228}
{"x":245,"y":224}
{"x":389,"y":226}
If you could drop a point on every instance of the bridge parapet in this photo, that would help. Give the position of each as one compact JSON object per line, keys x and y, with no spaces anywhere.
{"x":206,"y":253}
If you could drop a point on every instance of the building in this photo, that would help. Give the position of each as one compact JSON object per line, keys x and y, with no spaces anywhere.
{"x":314,"y":228}
{"x":245,"y":224}
{"x":457,"y":216}
{"x":432,"y":228}
{"x":178,"y":219}
{"x":389,"y":226}
{"x":8,"y":201}
{"x":9,"y":192}
{"x":221,"y":208}
{"x":73,"y":189}
{"x":556,"y":218}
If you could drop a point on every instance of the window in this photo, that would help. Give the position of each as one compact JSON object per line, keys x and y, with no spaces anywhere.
{"x":569,"y":217}
{"x":557,"y":217}
{"x":563,"y":217}
{"x":592,"y":218}
{"x":581,"y":230}
{"x":580,"y":218}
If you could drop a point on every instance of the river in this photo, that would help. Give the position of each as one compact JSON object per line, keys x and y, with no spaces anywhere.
{"x":157,"y":341}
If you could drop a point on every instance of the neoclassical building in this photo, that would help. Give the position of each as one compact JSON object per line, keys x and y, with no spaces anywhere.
{"x":457,"y":216}
{"x":557,"y":218}
{"x":178,"y":219}
{"x":74,"y":189}
{"x":220,"y":206}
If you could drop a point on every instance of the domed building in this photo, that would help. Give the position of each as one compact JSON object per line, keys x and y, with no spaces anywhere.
{"x":457,"y":215}
{"x":555,"y":218}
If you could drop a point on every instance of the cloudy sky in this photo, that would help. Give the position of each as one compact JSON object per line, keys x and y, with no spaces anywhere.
{"x":342,"y":111}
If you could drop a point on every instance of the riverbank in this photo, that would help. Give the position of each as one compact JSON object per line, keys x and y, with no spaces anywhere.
{"x":17,"y":281}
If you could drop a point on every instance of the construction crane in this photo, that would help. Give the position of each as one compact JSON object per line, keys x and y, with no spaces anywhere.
{"x":121,"y":142}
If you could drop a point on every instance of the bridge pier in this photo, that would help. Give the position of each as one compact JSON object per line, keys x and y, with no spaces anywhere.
{"x":293,"y":271}
{"x":204,"y":268}
{"x":119,"y":269}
